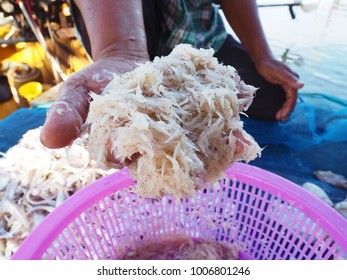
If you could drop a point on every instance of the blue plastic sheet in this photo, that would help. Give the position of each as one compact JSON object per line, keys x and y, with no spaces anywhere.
{"x":14,"y":126}
{"x":314,"y":138}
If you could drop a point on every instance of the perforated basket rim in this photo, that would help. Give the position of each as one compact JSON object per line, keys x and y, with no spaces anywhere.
{"x":42,"y":236}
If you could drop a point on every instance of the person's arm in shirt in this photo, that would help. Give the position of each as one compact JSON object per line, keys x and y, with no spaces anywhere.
{"x":243,"y":18}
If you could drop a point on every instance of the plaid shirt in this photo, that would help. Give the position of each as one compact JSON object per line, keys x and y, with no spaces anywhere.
{"x":195,"y":22}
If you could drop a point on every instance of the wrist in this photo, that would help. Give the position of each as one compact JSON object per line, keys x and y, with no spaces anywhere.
{"x":115,"y":28}
{"x":260,"y":55}
{"x":129,"y":49}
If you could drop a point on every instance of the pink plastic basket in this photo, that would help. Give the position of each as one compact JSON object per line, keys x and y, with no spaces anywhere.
{"x":268,"y":215}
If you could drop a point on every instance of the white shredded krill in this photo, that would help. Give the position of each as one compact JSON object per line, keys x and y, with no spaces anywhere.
{"x":34,"y":181}
{"x":179,"y":116}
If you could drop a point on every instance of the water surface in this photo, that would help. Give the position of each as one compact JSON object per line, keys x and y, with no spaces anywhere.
{"x":314,"y":44}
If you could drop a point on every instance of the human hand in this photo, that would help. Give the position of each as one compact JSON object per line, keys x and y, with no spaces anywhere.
{"x":279,"y":73}
{"x":67,"y":115}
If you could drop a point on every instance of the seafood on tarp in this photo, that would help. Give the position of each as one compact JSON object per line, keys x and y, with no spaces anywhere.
{"x":34,"y":181}
{"x":331,"y":178}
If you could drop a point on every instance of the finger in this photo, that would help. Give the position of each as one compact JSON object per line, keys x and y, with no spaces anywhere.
{"x":66,"y":117}
{"x":296,"y":83}
{"x":284,"y":113}
{"x":282,"y":74}
{"x":239,"y":147}
{"x":289,"y":105}
{"x":240,"y":142}
{"x":114,"y":161}
{"x":290,"y":80}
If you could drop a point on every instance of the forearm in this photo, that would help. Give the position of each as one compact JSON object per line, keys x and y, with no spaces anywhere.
{"x":244,"y":19}
{"x":115,"y":27}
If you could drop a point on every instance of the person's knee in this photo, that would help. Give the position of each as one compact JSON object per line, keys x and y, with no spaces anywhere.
{"x":266,"y":103}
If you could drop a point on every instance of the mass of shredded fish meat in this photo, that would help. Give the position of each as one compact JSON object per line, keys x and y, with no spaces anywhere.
{"x":318,"y":192}
{"x":181,"y":247}
{"x":179,"y":116}
{"x":34,"y":181}
{"x":341,"y":207}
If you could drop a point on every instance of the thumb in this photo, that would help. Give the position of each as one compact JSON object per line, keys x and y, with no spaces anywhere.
{"x":66,"y":116}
